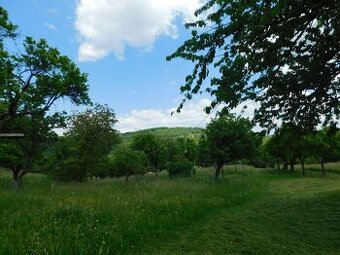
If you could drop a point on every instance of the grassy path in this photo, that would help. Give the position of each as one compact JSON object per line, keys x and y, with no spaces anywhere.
{"x":295,"y":216}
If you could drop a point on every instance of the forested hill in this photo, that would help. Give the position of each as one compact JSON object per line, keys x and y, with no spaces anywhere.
{"x":165,"y":131}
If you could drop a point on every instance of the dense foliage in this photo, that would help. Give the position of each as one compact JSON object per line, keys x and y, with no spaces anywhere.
{"x":282,"y":54}
{"x":228,"y":139}
{"x":31,"y":81}
{"x":127,"y":162}
{"x":85,"y":148}
{"x":291,"y":144}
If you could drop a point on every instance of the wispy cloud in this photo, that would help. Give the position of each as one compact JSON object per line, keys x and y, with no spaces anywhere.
{"x":50,"y":26}
{"x":53,"y":11}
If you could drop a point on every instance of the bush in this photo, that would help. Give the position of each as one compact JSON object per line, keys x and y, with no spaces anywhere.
{"x":180,"y":168}
{"x":68,"y":170}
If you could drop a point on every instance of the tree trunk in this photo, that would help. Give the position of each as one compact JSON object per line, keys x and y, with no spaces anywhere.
{"x":285,"y":165}
{"x":278,"y":164}
{"x":127,"y":178}
{"x":16,"y":179}
{"x":323,"y":167}
{"x":218,"y":168}
{"x":243,"y":168}
{"x":303,"y":166}
{"x":291,"y":164}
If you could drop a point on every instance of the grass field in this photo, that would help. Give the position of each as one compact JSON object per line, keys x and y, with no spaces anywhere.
{"x":257,"y":212}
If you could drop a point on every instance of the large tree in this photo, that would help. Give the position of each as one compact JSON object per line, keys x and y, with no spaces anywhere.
{"x":31,"y":82}
{"x":284,"y":54}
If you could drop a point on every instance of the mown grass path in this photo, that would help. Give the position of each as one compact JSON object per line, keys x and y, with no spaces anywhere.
{"x":258,"y":213}
{"x":294,"y":216}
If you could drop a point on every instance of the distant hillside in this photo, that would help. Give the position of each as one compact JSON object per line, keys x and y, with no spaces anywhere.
{"x":165,"y":131}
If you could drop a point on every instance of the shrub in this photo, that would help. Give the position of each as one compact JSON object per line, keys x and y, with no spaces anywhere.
{"x":180,"y":168}
{"x":68,"y":170}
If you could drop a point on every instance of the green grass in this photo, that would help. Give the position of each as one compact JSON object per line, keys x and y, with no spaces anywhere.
{"x":256,"y":212}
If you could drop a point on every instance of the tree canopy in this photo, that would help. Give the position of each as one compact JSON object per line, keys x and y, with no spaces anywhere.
{"x":227,"y":139}
{"x":31,"y":82}
{"x":282,"y":54}
{"x":7,"y":28}
{"x":153,"y":148}
{"x":85,"y":148}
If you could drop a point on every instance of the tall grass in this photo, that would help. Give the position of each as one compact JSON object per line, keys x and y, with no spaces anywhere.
{"x":152,"y":215}
{"x":107,"y":217}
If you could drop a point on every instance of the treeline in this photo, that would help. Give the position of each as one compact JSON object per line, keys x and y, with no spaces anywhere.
{"x":92,"y":148}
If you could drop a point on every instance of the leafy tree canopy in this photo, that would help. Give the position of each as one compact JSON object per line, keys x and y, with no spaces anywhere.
{"x":32,"y":81}
{"x":127,"y":161}
{"x":283,"y":54}
{"x":86,"y":146}
{"x":153,"y":148}
{"x":227,"y":139}
{"x":24,"y":155}
{"x":7,"y":28}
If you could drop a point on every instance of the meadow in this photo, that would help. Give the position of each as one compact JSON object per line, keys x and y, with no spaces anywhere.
{"x":253,"y":212}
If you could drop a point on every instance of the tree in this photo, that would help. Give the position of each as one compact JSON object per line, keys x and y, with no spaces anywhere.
{"x":127,"y":162}
{"x":7,"y":28}
{"x":229,"y":138}
{"x":24,"y":155}
{"x":281,"y":54}
{"x":188,"y":148}
{"x":262,"y":158}
{"x":154,"y":150}
{"x":325,"y":145}
{"x":31,"y":82}
{"x":288,"y":144}
{"x":87,"y":144}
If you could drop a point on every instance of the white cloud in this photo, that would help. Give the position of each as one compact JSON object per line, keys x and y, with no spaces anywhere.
{"x":50,"y":26}
{"x":106,"y":26}
{"x":192,"y":115}
{"x":53,"y":11}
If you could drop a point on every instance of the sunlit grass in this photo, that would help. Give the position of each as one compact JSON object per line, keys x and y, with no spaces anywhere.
{"x":254,"y":211}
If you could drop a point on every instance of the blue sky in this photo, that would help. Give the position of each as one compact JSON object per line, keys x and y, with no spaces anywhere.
{"x":122,"y":45}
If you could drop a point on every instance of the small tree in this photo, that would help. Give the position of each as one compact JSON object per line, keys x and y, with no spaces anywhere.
{"x":188,"y":148}
{"x":325,"y":146}
{"x":229,"y":138}
{"x":88,"y":142}
{"x":153,"y":148}
{"x":127,"y":162}
{"x":38,"y":137}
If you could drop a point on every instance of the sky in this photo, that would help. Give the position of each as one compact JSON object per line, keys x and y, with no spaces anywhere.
{"x":122,"y":45}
